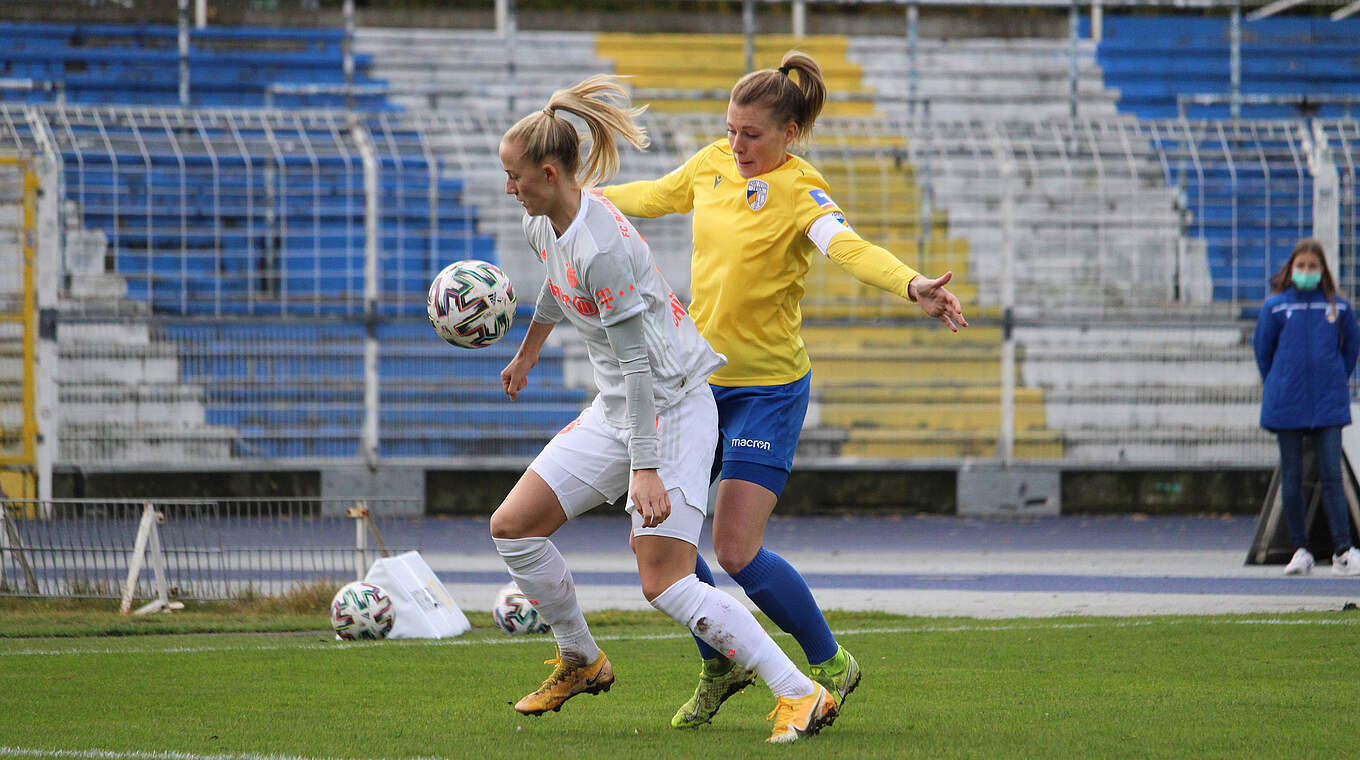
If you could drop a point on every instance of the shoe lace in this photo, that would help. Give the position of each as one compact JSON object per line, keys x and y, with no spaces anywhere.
{"x":560,"y":670}
{"x":783,"y":713}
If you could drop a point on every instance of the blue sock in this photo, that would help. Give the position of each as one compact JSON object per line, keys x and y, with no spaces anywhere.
{"x":705,"y":575}
{"x":780,"y":592}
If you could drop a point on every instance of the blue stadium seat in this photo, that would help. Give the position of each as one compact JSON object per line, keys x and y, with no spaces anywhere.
{"x":295,"y":389}
{"x":139,"y":64}
{"x":1249,"y":217}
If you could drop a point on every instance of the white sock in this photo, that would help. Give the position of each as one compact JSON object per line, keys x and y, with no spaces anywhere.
{"x":542,"y":575}
{"x":724,"y":624}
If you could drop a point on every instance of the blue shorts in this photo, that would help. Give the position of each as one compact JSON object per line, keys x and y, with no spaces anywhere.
{"x":758,"y":429}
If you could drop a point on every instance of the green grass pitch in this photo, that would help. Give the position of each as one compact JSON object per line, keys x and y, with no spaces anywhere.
{"x":1175,"y":687}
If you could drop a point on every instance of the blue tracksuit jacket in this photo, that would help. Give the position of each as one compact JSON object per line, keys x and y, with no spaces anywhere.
{"x":1306,"y":349}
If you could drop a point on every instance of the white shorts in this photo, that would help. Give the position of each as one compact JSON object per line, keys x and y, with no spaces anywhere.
{"x":587,"y":464}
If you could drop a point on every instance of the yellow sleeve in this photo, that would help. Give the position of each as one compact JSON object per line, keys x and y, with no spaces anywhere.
{"x":649,"y":198}
{"x":871,"y":264}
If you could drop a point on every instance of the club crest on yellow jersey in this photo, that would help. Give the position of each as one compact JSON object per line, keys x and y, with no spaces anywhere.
{"x":757,"y":192}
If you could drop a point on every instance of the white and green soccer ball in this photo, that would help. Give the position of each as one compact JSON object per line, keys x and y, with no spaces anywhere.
{"x":515,"y":614}
{"x":471,"y":304}
{"x":362,"y":611}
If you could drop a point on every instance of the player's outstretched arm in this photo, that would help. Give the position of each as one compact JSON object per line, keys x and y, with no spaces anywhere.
{"x":874,"y":265}
{"x":935,"y":300}
{"x":516,"y":374}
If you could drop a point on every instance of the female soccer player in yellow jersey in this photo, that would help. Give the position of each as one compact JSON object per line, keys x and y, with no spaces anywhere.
{"x":650,"y":430}
{"x":759,"y":215}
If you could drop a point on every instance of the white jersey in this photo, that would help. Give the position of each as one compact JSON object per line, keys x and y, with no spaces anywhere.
{"x":601,"y":272}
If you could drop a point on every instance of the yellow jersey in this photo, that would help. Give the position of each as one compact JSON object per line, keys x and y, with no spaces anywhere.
{"x":752,"y":252}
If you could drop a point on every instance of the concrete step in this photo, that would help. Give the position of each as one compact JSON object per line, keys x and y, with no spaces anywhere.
{"x":130,"y":364}
{"x":947,"y":444}
{"x":942,"y":391}
{"x":853,"y":367}
{"x":826,"y":338}
{"x":951,"y":415}
{"x":156,"y":404}
{"x":1204,"y":447}
{"x":166,"y":445}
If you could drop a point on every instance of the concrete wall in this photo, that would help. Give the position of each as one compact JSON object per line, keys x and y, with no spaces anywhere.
{"x":809,"y":492}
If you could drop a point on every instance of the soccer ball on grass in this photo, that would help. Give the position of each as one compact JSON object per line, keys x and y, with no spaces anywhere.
{"x":362,"y":611}
{"x":515,"y":614}
{"x":471,"y":304}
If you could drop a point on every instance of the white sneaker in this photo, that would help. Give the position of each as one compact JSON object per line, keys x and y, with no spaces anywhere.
{"x":1302,"y":563}
{"x":1347,"y":563}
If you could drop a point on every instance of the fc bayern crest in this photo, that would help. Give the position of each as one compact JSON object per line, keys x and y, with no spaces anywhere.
{"x":757,"y":190}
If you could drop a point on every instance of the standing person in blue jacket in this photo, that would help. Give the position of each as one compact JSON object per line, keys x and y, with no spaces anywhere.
{"x":1306,"y":344}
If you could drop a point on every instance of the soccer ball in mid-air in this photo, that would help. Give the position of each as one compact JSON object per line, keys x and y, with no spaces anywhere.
{"x":515,"y":614}
{"x":471,"y":304}
{"x":362,"y":611}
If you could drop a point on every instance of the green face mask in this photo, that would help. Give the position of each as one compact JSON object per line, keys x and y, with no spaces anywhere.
{"x":1307,"y":280}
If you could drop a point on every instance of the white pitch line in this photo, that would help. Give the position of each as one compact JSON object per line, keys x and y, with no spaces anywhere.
{"x":961,"y":628}
{"x":101,"y":754}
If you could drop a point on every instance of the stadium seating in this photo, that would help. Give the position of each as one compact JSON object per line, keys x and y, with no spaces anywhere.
{"x":473,"y":71}
{"x":985,"y":78}
{"x":139,"y":64}
{"x":296,"y":390}
{"x":203,"y":391}
{"x":1248,"y":188}
{"x":194,"y":228}
{"x":209,"y":234}
{"x":200,"y":232}
{"x":882,"y":198}
{"x":1151,"y":60}
{"x":938,"y":396}
{"x":1166,"y":389}
{"x":203,"y":214}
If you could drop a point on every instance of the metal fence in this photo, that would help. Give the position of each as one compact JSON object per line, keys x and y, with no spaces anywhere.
{"x":242,"y":288}
{"x":212,"y":549}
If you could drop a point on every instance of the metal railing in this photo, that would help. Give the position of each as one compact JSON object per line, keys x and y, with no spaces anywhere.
{"x":243,"y":286}
{"x":213,"y":549}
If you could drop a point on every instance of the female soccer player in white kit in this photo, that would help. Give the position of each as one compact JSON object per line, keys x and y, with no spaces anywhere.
{"x":650,"y":432}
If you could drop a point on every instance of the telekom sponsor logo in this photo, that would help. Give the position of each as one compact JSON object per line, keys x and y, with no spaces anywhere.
{"x":585,"y":306}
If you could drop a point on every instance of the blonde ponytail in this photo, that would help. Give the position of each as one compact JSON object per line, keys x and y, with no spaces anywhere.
{"x":602,"y":103}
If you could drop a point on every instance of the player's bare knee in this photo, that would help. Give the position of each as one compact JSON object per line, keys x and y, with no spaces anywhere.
{"x":506,"y":524}
{"x":650,"y":591}
{"x":733,"y":559}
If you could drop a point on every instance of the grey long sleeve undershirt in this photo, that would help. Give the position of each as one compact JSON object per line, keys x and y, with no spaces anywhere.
{"x":626,"y":338}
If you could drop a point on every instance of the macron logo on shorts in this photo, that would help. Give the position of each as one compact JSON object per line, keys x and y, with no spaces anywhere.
{"x":750,"y":444}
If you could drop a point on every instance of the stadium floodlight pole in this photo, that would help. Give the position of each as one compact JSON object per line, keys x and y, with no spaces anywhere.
{"x":1074,"y":67}
{"x":368,"y":444}
{"x":347,"y":52}
{"x":1006,"y":168}
{"x":506,"y":17}
{"x":1235,"y":61}
{"x":184,"y":53}
{"x":913,"y":70}
{"x":1326,"y":201}
{"x":748,"y":26}
{"x":1345,"y":11}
